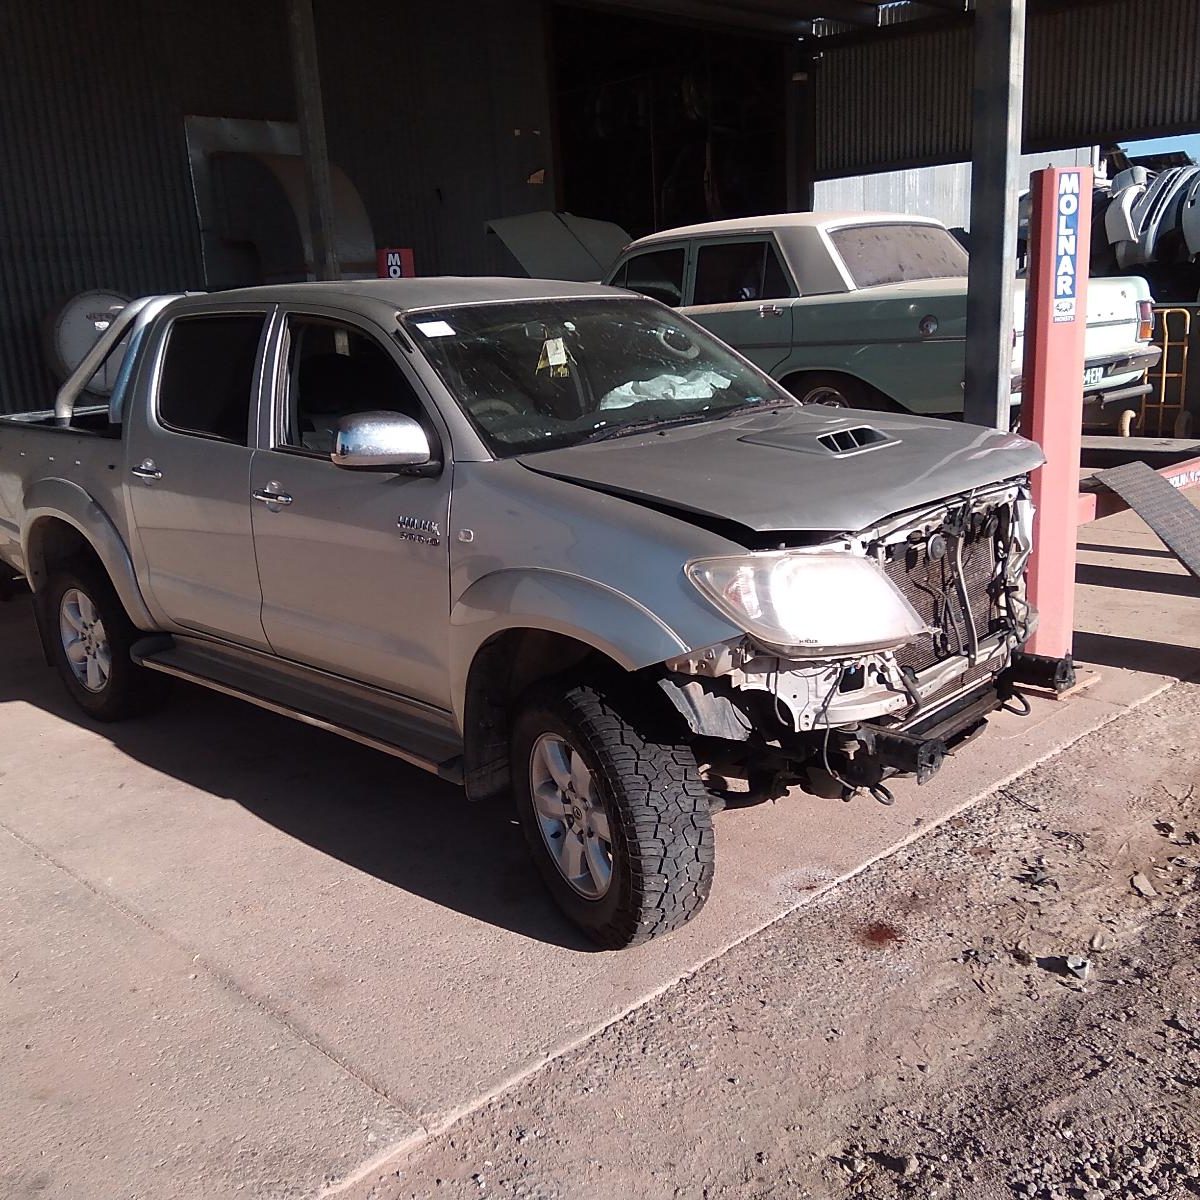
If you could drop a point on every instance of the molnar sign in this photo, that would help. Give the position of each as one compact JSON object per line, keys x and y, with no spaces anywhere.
{"x":1066,"y":248}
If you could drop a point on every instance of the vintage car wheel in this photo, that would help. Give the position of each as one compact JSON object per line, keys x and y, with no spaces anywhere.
{"x":91,"y":636}
{"x":835,"y":391}
{"x":617,"y":821}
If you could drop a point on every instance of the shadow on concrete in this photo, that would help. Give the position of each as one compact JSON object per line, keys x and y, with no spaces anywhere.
{"x":1134,"y":654}
{"x":1137,"y":581}
{"x":1149,"y":553}
{"x":370,"y":811}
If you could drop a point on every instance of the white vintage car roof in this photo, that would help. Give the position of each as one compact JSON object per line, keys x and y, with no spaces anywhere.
{"x":788,"y":220}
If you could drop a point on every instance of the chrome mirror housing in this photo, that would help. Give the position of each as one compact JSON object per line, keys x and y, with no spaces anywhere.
{"x":382,"y":441}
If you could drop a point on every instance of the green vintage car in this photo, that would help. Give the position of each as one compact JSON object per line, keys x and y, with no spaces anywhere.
{"x":868,"y":309}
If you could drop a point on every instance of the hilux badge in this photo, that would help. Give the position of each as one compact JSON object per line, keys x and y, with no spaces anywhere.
{"x":418,"y":529}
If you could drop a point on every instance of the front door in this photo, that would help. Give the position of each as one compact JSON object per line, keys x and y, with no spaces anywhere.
{"x":741,"y":292}
{"x":354,"y":565}
{"x":189,"y":487}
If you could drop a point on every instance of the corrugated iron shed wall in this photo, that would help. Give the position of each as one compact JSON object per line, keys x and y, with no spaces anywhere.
{"x":423,"y":107}
{"x":439,"y":113}
{"x":1109,"y":69}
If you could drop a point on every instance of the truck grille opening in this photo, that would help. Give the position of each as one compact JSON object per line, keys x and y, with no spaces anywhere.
{"x":928,"y":585}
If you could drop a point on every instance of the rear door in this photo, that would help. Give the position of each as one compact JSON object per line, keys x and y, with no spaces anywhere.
{"x":189,"y":462}
{"x":740,"y":291}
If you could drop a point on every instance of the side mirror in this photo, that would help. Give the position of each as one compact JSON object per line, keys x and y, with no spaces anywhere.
{"x":383,"y":441}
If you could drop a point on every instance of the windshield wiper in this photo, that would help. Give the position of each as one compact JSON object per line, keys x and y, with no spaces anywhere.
{"x":602,"y":435}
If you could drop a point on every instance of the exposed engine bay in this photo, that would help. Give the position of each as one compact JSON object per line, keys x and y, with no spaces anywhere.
{"x":837,"y":724}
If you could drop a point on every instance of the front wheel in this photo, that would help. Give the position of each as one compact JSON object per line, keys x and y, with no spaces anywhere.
{"x":91,"y":637}
{"x":618,"y":821}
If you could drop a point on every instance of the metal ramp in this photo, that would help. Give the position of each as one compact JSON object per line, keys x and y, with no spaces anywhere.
{"x":1159,"y":503}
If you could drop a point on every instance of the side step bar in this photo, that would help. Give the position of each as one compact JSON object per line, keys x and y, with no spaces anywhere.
{"x":414,"y":733}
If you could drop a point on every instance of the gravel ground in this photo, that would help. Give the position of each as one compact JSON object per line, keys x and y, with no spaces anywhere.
{"x":1007,"y":1007}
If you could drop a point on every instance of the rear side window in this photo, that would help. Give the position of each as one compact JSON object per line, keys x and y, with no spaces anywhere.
{"x":879,"y":254}
{"x":731,"y":271}
{"x":207,"y":378}
{"x":657,"y":274}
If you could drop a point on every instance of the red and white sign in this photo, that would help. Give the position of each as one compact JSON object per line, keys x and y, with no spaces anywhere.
{"x":394,"y":262}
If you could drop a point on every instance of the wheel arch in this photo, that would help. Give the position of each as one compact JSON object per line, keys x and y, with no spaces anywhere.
{"x":515,"y":628}
{"x":886,"y":403}
{"x":63,"y":521}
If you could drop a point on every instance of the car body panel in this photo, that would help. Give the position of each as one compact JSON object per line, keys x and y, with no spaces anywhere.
{"x":768,"y":471}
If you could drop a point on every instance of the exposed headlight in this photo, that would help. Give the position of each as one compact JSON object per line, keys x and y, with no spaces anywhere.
{"x":809,"y":605}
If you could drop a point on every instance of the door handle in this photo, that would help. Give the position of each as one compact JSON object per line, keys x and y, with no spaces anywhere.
{"x":770,"y":310}
{"x":146,"y":471}
{"x":269,"y":496}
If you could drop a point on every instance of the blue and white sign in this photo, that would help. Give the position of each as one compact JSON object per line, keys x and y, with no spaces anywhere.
{"x":1066,"y":248}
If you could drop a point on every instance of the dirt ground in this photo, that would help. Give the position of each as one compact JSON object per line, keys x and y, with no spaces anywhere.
{"x":1007,"y":1007}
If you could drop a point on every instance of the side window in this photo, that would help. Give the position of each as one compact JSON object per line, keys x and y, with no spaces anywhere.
{"x":334,"y":371}
{"x":657,"y":274}
{"x":729,"y":272}
{"x":207,"y":378}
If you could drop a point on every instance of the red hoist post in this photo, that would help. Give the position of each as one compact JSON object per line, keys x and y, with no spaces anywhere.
{"x":1052,"y":406}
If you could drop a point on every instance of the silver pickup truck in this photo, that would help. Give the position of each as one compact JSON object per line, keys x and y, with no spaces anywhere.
{"x":545,"y":538}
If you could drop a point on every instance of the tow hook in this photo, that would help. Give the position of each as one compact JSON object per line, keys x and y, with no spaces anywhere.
{"x":882,"y":794}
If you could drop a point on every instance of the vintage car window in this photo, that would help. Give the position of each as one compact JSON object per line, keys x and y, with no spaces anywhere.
{"x":333,"y":371}
{"x":537,"y":375}
{"x":207,"y":378}
{"x":657,"y":274}
{"x":728,"y":272}
{"x":897,"y":253}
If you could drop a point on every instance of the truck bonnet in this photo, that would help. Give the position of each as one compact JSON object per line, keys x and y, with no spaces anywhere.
{"x":810,"y":469}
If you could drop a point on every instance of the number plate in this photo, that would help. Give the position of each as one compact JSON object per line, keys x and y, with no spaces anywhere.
{"x":1093,"y":377}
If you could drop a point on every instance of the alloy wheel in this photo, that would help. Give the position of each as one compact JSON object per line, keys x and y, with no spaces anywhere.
{"x":84,"y":640}
{"x":571,"y":815}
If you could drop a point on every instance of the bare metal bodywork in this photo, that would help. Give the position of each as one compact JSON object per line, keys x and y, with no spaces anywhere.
{"x":373,"y":603}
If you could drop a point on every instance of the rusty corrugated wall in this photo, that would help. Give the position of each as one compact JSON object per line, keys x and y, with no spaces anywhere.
{"x":1105,"y":70}
{"x":432,"y":113}
{"x":95,"y":188}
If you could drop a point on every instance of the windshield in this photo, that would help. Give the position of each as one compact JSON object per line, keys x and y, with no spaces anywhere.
{"x":537,"y":375}
{"x":879,"y":254}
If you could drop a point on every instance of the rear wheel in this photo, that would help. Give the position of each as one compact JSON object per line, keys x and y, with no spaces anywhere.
{"x":91,"y":637}
{"x":837,"y":391}
{"x":616,"y":818}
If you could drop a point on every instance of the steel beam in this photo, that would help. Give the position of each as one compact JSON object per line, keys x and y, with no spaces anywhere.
{"x":995,"y":180}
{"x":310,"y":116}
{"x":1052,"y":404}
{"x":801,"y":130}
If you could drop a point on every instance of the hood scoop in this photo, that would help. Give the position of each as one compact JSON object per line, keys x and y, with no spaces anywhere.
{"x":841,"y":443}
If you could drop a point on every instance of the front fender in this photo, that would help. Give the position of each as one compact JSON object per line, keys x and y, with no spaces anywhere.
{"x":62,"y":500}
{"x":557,"y":602}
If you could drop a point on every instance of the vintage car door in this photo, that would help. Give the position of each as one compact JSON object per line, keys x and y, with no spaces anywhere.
{"x":740,"y":290}
{"x":354,"y":565}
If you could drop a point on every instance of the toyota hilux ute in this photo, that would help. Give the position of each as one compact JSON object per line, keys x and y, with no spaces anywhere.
{"x":543,"y":538}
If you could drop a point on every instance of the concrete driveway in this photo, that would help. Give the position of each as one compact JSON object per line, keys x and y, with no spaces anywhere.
{"x":237,"y":954}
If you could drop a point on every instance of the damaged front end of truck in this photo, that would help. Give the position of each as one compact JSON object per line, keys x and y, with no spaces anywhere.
{"x":866,"y":655}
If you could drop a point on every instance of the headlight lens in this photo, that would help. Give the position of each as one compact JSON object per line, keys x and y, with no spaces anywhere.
{"x":807,"y":605}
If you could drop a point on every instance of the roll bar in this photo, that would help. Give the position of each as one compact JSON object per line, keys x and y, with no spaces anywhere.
{"x":137,"y":312}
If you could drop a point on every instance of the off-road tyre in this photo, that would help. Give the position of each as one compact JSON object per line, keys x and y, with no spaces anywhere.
{"x":130,"y":690}
{"x":658,"y":808}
